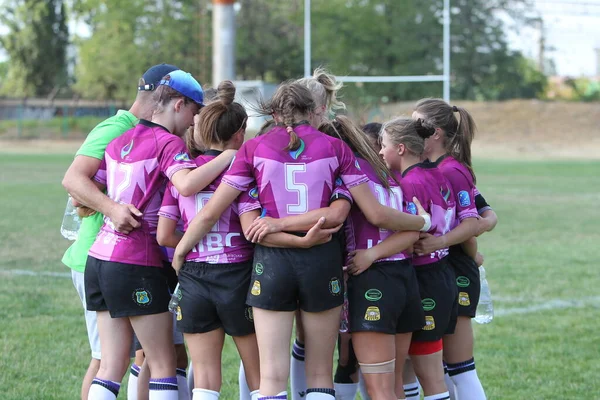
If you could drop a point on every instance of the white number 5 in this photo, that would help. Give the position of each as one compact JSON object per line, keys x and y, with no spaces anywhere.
{"x":300,"y":188}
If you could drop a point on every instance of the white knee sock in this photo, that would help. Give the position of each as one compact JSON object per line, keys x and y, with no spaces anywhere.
{"x":449,"y":384}
{"x":243,"y":384}
{"x":254,"y":395}
{"x":464,"y":376}
{"x":439,"y":396}
{"x":182,"y":385}
{"x":411,"y":391}
{"x":320,"y":394}
{"x":205,"y":394}
{"x":362,"y":387}
{"x":103,"y":389}
{"x":163,"y":389}
{"x":132,"y":382}
{"x":297,"y":372}
{"x":345,"y":391}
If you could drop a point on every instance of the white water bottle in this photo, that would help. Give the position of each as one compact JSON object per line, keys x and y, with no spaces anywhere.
{"x":485,"y":308}
{"x":71,"y":221}
{"x":175,"y":298}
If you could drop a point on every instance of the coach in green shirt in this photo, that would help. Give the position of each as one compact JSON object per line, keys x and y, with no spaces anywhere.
{"x":78,"y":182}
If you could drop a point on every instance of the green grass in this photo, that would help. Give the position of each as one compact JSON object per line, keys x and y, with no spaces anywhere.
{"x":544,"y":249}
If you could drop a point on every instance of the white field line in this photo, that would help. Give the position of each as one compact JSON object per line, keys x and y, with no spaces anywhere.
{"x":546,"y":305}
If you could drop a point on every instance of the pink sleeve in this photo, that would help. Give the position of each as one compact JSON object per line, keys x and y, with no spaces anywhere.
{"x":100,"y":176}
{"x":340,"y":192}
{"x":349,"y":171}
{"x":464,"y":189}
{"x":248,"y":201}
{"x":173,"y":157}
{"x":170,"y":204}
{"x":240,"y":174}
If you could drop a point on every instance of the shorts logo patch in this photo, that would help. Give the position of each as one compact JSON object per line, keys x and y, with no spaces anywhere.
{"x":373,"y":295}
{"x":179,"y":315}
{"x":182,"y":157}
{"x":428,"y":304}
{"x":464,"y":199}
{"x":411,"y":208}
{"x":334,"y":286}
{"x":259,"y":269}
{"x":463,"y":299}
{"x":142,"y":297}
{"x":249,"y":314}
{"x":463,"y":281}
{"x":255,"y":288}
{"x":372,"y":314}
{"x":296,"y":153}
{"x":429,"y":323}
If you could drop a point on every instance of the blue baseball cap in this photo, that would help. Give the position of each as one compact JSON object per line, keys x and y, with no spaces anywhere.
{"x":184,"y":83}
{"x":154,"y":75}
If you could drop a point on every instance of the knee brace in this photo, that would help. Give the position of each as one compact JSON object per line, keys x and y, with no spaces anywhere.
{"x":385,"y":367}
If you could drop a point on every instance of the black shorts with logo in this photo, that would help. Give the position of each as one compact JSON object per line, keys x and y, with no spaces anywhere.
{"x":285,"y":279}
{"x":385,"y":298}
{"x":214,"y":296}
{"x":467,"y":281}
{"x":125,"y":290}
{"x":438,"y":298}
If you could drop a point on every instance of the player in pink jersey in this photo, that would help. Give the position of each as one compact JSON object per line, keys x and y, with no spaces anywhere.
{"x":450,"y":148}
{"x":402,"y":145}
{"x":294,"y":166}
{"x":124,"y":274}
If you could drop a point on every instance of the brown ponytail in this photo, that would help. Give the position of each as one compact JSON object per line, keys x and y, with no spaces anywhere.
{"x":324,"y":88}
{"x":290,"y":101}
{"x":345,"y":129}
{"x":459,"y":134}
{"x":222,"y":118}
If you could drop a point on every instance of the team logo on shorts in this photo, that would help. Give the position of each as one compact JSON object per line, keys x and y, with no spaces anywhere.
{"x":464,"y":199}
{"x":334,"y":286}
{"x":463,"y":281}
{"x":428,"y":304}
{"x":296,"y":153}
{"x":126,"y":149}
{"x":373,"y":295}
{"x":249,"y":314}
{"x":179,"y":315}
{"x":142,"y":297}
{"x":259,"y":269}
{"x":253,"y":192}
{"x":463,"y":299}
{"x":182,"y":157}
{"x":429,"y":323}
{"x":255,"y":288}
{"x":372,"y":314}
{"x":411,"y":208}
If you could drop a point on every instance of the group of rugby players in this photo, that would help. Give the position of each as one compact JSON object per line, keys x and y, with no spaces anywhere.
{"x":315,"y":220}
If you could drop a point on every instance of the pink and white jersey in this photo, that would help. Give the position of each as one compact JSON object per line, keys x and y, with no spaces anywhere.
{"x":461,"y":181}
{"x":135,"y":170}
{"x":360,"y":234}
{"x":428,"y":184}
{"x":225,"y":243}
{"x":293,"y":182}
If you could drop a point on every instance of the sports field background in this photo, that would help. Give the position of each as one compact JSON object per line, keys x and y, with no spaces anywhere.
{"x":542,"y":265}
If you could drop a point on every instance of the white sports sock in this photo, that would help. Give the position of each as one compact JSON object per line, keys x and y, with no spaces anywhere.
{"x":243,"y":384}
{"x":254,"y":395}
{"x":103,"y":389}
{"x":163,"y":389}
{"x":320,"y":394}
{"x":468,"y":386}
{"x":182,"y":385}
{"x":297,"y":372}
{"x":345,"y":391}
{"x":132,"y":382}
{"x":411,"y":391}
{"x":450,"y":385}
{"x":362,"y":387}
{"x":439,"y":396}
{"x":279,"y":396}
{"x":205,"y":394}
{"x":190,"y":377}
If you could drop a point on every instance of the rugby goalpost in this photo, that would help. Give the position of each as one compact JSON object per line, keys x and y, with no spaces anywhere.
{"x":445,"y":77}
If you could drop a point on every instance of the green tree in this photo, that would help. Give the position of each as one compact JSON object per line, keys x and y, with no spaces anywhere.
{"x":36,"y":44}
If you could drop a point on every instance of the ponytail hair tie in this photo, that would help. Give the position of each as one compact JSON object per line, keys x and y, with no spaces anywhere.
{"x":454,"y":109}
{"x":289,"y":129}
{"x":424,"y":131}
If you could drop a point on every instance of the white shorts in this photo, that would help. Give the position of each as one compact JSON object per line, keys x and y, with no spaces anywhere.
{"x":90,"y":316}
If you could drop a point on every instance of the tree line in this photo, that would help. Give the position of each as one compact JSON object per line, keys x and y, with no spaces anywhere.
{"x":349,"y":37}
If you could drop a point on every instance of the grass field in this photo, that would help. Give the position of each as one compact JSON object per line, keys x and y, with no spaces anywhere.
{"x":541,"y":262}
